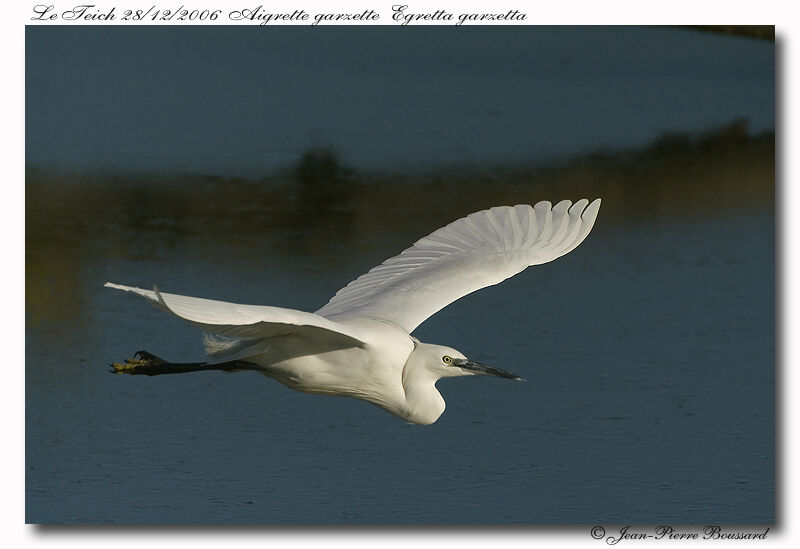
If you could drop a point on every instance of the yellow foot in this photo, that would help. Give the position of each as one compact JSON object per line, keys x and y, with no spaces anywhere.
{"x":142,"y":359}
{"x":128,"y":366}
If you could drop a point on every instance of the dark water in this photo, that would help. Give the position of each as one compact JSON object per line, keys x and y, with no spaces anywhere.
{"x":649,"y":353}
{"x":248,"y":99}
{"x":649,"y":350}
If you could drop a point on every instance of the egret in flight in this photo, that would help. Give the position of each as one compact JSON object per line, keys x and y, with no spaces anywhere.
{"x":360,"y":344}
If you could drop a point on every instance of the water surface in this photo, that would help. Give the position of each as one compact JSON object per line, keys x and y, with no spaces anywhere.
{"x":649,"y":354}
{"x":649,"y":350}
{"x":247,"y":99}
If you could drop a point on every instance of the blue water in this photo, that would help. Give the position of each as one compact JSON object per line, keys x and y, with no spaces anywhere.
{"x":246,"y":100}
{"x":649,"y":354}
{"x":649,"y":350}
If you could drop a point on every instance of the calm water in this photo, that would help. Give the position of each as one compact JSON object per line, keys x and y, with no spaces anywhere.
{"x":649,"y":353}
{"x":248,"y":99}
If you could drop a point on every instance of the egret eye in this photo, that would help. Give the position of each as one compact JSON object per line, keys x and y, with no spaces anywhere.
{"x":446,"y":359}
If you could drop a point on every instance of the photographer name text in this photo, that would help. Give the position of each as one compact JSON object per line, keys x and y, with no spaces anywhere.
{"x":667,"y":532}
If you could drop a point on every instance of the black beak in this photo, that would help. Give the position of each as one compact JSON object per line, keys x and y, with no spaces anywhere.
{"x":483,"y":369}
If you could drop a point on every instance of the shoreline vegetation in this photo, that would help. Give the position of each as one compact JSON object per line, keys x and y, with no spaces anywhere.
{"x":762,"y":32}
{"x":676,"y":175}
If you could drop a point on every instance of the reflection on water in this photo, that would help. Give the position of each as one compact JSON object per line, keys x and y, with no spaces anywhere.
{"x":650,"y":352}
{"x":323,"y":207}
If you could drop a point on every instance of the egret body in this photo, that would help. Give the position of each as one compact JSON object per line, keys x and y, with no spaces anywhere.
{"x":359,"y":344}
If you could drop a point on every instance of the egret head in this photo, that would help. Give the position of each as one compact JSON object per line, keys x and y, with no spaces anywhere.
{"x":447,"y":362}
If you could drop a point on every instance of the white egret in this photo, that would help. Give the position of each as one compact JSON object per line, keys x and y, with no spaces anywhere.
{"x":359,"y":344}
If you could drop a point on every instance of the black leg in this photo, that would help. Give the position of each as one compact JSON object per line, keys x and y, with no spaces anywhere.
{"x":145,"y":363}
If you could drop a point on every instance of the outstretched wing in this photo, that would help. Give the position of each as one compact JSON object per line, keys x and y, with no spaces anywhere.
{"x":476,"y":251}
{"x":246,"y":321}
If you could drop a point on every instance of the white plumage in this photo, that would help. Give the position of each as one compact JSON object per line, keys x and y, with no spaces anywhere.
{"x":359,"y":343}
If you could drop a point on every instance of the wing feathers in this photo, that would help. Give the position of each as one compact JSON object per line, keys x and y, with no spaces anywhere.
{"x":479,"y":250}
{"x":544,"y":213}
{"x":470,"y":253}
{"x":243,"y":321}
